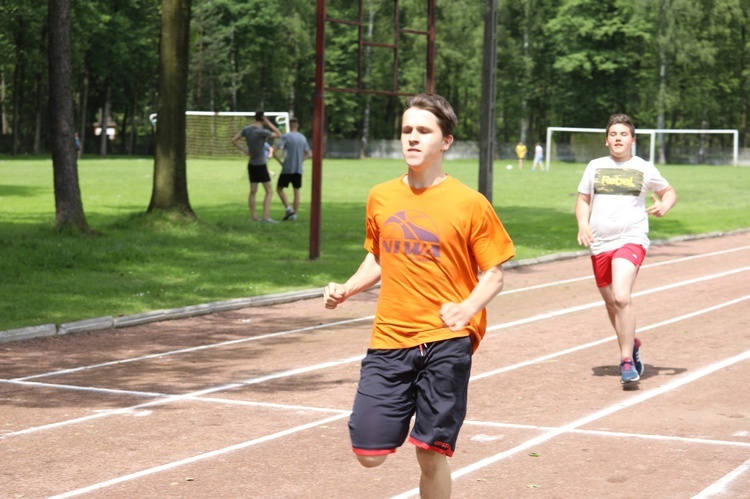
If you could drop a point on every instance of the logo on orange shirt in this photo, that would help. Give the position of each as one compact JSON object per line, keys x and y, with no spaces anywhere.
{"x":412,"y":233}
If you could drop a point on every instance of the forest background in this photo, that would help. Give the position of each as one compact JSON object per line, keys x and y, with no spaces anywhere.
{"x":667,"y":63}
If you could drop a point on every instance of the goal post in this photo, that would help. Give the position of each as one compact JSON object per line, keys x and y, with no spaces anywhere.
{"x":209,"y":133}
{"x":589,"y":143}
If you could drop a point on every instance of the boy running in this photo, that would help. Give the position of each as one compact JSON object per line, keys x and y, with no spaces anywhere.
{"x":437,"y":247}
{"x":613,"y":221}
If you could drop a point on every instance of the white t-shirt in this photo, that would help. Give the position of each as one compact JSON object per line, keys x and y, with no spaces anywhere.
{"x":618,"y":201}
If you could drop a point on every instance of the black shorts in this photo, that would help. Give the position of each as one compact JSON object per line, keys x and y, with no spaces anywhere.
{"x":258,"y":173}
{"x":430,"y":381}
{"x":289,"y":178}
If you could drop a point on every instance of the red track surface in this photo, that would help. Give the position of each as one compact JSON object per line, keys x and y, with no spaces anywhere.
{"x":254,"y":403}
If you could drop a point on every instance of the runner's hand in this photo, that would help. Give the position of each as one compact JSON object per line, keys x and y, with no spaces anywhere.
{"x":455,"y":316}
{"x":333,"y":294}
{"x":658,"y":209}
{"x":585,"y":236}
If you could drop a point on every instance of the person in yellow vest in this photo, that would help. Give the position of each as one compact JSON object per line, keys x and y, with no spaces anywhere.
{"x":521,"y":153}
{"x":437,"y":247}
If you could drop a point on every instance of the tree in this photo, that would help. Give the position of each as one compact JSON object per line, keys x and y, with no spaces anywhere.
{"x":170,"y":166}
{"x":68,"y":204}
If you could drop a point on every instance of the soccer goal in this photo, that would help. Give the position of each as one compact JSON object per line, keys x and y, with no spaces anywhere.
{"x":581,"y":145}
{"x":210,"y":133}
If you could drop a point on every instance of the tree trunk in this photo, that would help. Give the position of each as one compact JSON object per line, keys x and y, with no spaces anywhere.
{"x":68,"y":204}
{"x":170,"y":167}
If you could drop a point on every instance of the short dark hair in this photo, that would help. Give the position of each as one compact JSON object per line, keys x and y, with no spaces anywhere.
{"x":294,"y":120}
{"x":259,"y":115}
{"x":621,"y":119}
{"x":438,"y":106}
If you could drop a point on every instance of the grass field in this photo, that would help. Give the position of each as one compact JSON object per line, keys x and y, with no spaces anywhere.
{"x":146,"y":263}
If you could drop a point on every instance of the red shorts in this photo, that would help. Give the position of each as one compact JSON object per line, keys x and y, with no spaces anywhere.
{"x":602,"y":262}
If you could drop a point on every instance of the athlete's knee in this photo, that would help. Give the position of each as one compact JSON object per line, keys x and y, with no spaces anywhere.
{"x":620,"y":299}
{"x":371,"y":461}
{"x":430,"y":462}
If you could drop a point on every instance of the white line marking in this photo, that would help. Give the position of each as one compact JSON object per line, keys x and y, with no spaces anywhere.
{"x":79,"y":388}
{"x":173,"y":398}
{"x":579,"y":308}
{"x":178,"y":398}
{"x":550,"y":433}
{"x":555,"y":432}
{"x":719,"y":488}
{"x":647,"y":266}
{"x":605,"y":433}
{"x":194,"y":349}
{"x":198,"y":457}
{"x":607,"y":339}
{"x":333,"y":324}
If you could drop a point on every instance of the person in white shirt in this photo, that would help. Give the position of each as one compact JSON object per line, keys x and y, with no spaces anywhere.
{"x":613,"y":222}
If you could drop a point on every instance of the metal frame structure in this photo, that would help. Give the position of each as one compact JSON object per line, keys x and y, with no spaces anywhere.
{"x":321,"y":89}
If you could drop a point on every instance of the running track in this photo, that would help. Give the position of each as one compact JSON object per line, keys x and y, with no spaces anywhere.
{"x":254,"y":403}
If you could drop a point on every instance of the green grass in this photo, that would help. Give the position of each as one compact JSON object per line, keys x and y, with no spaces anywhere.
{"x":146,"y":263}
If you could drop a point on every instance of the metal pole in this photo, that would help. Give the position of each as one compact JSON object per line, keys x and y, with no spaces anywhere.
{"x":318,"y":131}
{"x":489,"y":81}
{"x":430,"y":84}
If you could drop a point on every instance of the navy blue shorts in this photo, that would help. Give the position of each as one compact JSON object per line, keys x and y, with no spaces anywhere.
{"x":258,"y":173}
{"x":430,"y":381}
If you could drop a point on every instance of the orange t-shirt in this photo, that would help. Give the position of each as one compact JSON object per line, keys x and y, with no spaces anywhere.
{"x":431,"y":244}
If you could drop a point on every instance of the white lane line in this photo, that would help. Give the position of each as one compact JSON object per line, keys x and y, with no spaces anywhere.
{"x":550,"y":433}
{"x":579,"y":308}
{"x":506,"y":325}
{"x":167,"y":399}
{"x":199,"y":457}
{"x":194,"y":349}
{"x":172,"y":398}
{"x":606,"y":433}
{"x":647,"y":266}
{"x":555,"y":432}
{"x":107,"y":391}
{"x":607,"y":339}
{"x":720,"y":487}
{"x":349,"y":321}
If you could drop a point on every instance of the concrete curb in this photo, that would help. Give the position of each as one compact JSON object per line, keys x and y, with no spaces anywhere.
{"x":108,"y":322}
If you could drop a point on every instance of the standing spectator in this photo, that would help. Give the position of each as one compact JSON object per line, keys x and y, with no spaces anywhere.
{"x":437,"y":247}
{"x":613,"y":221}
{"x":296,"y":151}
{"x":538,"y":157}
{"x":77,"y":140}
{"x":255,"y":137}
{"x":521,"y":153}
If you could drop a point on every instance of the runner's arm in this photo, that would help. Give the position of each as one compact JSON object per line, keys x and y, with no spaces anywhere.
{"x":366,"y":276}
{"x":583,"y":211}
{"x":457,"y":315}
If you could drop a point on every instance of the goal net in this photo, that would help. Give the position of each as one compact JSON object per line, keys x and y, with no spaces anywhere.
{"x":681,"y":146}
{"x":210,"y":133}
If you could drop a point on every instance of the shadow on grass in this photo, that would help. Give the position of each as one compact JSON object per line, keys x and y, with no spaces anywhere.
{"x":20,"y":190}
